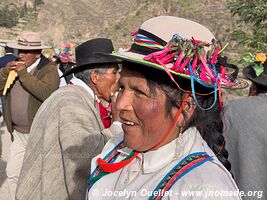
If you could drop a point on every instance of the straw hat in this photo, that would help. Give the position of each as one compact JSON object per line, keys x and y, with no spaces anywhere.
{"x":28,"y":40}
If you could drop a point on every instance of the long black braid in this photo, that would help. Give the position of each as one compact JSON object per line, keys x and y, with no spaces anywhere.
{"x":210,"y":126}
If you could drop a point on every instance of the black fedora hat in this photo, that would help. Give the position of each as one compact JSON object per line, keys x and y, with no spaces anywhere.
{"x":249,"y":72}
{"x":87,"y":54}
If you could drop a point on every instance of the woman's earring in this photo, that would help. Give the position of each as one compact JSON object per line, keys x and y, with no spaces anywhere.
{"x":180,"y":131}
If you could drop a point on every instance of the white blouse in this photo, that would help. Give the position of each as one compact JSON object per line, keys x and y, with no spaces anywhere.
{"x":138,"y":179}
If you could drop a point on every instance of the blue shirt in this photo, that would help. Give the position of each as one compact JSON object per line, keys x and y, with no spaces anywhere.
{"x":7,"y":58}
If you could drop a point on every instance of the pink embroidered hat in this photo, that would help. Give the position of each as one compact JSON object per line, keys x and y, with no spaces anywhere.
{"x":28,"y":40}
{"x":182,"y":48}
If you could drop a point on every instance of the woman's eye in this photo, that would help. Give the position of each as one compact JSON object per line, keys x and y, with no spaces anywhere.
{"x":140,"y":92}
{"x":120,"y":89}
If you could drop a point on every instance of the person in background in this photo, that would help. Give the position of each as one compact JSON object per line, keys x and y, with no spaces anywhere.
{"x":36,"y":80}
{"x":246,"y":134}
{"x":71,"y":127}
{"x":172,"y":140}
{"x":9,"y":56}
{"x":62,"y":68}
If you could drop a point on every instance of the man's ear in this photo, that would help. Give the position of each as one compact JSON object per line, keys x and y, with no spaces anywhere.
{"x":94,"y":76}
{"x":37,"y":56}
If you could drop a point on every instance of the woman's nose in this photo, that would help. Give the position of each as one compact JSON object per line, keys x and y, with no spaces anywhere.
{"x":124,"y":101}
{"x":118,"y":75}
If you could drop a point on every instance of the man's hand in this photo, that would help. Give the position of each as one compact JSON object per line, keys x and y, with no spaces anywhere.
{"x":16,"y":66}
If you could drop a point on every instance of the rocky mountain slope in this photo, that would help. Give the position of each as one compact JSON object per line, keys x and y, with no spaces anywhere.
{"x":76,"y":21}
{"x":79,"y":20}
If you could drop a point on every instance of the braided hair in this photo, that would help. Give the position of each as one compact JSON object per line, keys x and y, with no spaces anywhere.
{"x":210,"y":126}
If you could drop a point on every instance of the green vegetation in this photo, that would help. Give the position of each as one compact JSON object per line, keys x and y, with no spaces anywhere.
{"x":23,"y":10}
{"x":10,"y":13}
{"x":251,"y":32}
{"x":8,"y":17}
{"x":36,"y":3}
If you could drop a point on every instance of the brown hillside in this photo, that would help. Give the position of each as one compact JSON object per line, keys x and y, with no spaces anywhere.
{"x":79,"y":20}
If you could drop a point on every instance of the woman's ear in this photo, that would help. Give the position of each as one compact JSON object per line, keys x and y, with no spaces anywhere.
{"x":189,"y":107}
{"x":188,"y":111}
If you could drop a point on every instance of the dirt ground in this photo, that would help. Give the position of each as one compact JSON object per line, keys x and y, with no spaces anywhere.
{"x":4,"y":146}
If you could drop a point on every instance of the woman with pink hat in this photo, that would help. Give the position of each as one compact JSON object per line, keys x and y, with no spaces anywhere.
{"x":169,"y":103}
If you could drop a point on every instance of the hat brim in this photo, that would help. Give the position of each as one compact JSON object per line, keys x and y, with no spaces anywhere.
{"x":80,"y":68}
{"x":250,"y":74}
{"x":14,"y":45}
{"x":186,"y":79}
{"x":142,"y":62}
{"x":239,"y":84}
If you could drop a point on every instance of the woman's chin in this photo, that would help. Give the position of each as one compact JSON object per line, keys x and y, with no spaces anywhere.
{"x":129,"y":142}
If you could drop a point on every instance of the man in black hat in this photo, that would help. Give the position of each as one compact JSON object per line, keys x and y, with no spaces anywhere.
{"x":246,"y":132}
{"x":70,"y":128}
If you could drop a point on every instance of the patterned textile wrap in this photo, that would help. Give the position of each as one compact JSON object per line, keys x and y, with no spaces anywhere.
{"x":66,"y":133}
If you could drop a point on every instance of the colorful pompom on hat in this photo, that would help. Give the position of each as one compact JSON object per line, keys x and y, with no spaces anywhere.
{"x":184,"y":49}
{"x":64,"y":53}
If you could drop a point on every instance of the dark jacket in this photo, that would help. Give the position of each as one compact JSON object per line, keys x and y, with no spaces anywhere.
{"x":40,"y":85}
{"x":7,"y":58}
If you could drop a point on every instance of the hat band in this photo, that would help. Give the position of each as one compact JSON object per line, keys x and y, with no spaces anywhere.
{"x":27,"y":43}
{"x":146,"y":43}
